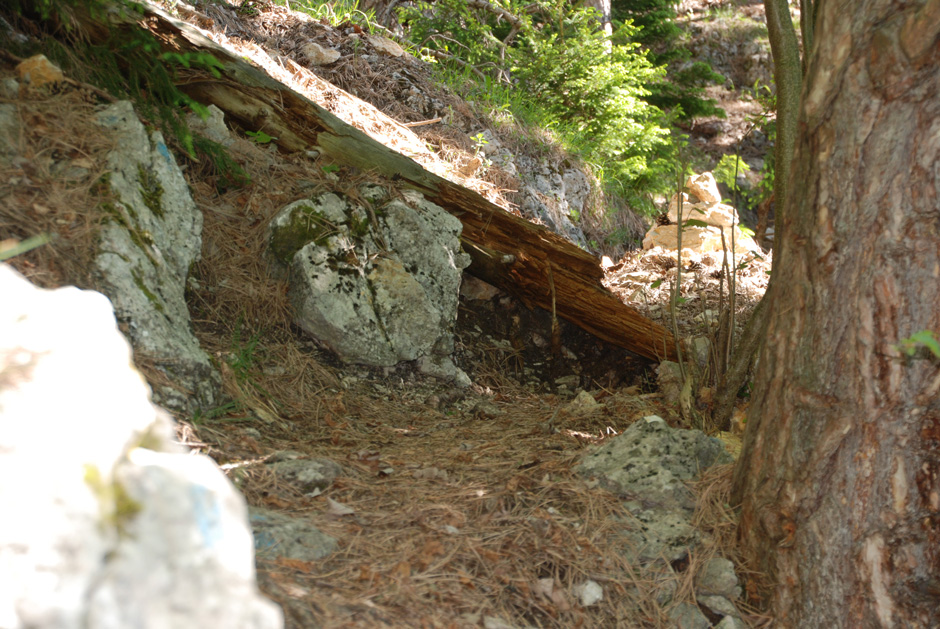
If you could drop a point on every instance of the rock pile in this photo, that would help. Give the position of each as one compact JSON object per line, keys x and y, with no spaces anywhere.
{"x":710,"y":219}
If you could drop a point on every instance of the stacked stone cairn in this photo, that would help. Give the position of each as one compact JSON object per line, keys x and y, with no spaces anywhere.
{"x":701,"y":202}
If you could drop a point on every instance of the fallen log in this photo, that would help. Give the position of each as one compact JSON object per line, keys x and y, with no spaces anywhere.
{"x":524,"y":259}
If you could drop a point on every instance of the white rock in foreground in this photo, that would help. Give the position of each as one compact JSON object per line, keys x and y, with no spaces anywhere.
{"x":107,"y":522}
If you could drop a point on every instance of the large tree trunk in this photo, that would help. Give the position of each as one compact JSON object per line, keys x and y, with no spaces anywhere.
{"x":839,"y":481}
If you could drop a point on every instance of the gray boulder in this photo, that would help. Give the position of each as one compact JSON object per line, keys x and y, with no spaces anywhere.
{"x":379,"y":284}
{"x":107,"y":523}
{"x":649,"y":465}
{"x":651,"y":462}
{"x":147,"y":245}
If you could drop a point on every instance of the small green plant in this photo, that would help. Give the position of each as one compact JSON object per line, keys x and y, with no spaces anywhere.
{"x":11,"y":250}
{"x":260,"y":137}
{"x":923,"y":339}
{"x":728,"y":170}
{"x":242,"y":357}
{"x":479,"y":141}
{"x":330,"y":168}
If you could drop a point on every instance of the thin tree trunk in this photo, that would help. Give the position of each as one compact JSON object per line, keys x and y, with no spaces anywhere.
{"x":839,"y":480}
{"x":788,"y":76}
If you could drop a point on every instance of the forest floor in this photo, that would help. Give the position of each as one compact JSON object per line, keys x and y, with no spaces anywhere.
{"x":456,"y":507}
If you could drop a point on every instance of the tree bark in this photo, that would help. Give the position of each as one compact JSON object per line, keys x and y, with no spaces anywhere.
{"x":839,"y":480}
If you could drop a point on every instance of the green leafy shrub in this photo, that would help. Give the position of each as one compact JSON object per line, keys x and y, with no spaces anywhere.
{"x":682,"y":90}
{"x":131,"y":64}
{"x":589,"y":90}
{"x":597,"y":93}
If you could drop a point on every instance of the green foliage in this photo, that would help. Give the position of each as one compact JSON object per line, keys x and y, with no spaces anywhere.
{"x":454,"y":27}
{"x":767,"y":124}
{"x":728,"y":170}
{"x":260,"y":137}
{"x":243,"y":355}
{"x":682,"y":90}
{"x":553,"y":66}
{"x":923,"y":339}
{"x":596,"y":94}
{"x":334,"y":12}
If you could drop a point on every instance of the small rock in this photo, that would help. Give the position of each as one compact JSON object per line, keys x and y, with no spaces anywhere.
{"x":701,"y":348}
{"x":570,"y":381}
{"x":307,"y":475}
{"x":285,"y":455}
{"x":444,"y":368}
{"x":688,"y":616}
{"x":583,"y":404}
{"x":385,"y":45}
{"x":717,"y":577}
{"x":278,"y":535}
{"x":9,"y":88}
{"x":319,"y":55}
{"x":732,"y":622}
{"x":718,"y":604}
{"x":485,"y":409}
{"x":704,"y":187}
{"x":213,"y":127}
{"x":251,"y":433}
{"x":589,"y":593}
{"x":38,"y":73}
{"x":474,"y":289}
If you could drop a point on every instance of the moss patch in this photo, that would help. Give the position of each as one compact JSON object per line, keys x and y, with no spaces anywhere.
{"x":118,"y":508}
{"x":306,"y":225}
{"x":151,"y":297}
{"x":151,"y":190}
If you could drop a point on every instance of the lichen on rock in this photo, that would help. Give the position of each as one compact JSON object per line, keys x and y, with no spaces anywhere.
{"x":378,"y":285}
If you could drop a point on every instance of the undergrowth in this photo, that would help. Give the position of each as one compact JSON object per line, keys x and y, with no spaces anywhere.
{"x":550,"y":66}
{"x":126,"y":63}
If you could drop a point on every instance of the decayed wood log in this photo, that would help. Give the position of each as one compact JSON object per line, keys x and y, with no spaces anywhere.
{"x":526,"y":260}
